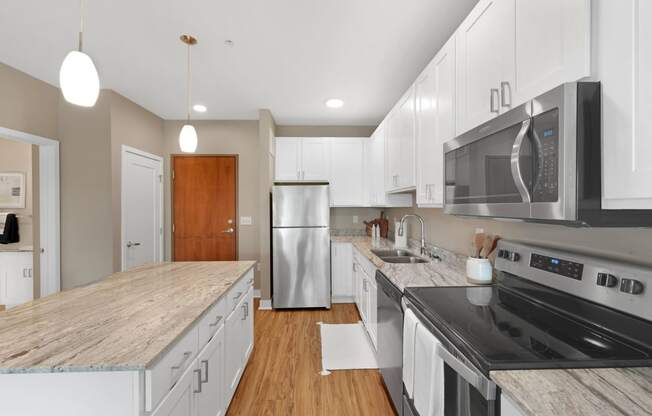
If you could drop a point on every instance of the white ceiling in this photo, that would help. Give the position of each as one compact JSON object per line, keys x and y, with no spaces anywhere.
{"x":289,"y":55}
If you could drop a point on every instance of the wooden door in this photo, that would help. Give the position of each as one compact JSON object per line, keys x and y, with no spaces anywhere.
{"x":204,"y":193}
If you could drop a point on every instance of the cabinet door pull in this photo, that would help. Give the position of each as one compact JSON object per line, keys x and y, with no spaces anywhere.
{"x":186,"y":355}
{"x":496,"y":93}
{"x":217,"y":321}
{"x":504,"y":96}
{"x":205,"y":364}
{"x":198,"y":373}
{"x":237,"y":296}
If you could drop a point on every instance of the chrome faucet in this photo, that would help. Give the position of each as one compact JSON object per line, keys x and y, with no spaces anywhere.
{"x":423,"y":236}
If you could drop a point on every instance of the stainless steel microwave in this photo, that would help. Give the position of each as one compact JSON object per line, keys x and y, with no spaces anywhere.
{"x":540,"y":162}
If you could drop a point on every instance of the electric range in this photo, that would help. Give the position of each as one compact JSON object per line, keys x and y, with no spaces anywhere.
{"x":548,"y":309}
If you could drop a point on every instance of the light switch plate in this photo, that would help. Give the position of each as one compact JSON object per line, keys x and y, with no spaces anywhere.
{"x":246,"y":221}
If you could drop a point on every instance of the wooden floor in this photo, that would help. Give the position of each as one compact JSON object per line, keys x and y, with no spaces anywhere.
{"x":282,"y":377}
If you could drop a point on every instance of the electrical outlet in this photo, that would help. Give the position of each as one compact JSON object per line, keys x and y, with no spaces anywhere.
{"x":355,"y":219}
{"x":246,"y":221}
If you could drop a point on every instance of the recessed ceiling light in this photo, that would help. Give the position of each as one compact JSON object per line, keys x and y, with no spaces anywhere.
{"x":334,"y":103}
{"x":200,"y":108}
{"x":228,"y":42}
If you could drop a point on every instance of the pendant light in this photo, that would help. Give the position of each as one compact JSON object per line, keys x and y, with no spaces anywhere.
{"x":188,"y":134}
{"x":78,"y":77}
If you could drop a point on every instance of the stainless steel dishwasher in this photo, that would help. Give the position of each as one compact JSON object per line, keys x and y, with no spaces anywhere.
{"x":390,"y":339}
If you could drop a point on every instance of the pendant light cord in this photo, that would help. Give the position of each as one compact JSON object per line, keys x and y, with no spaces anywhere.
{"x":188,"y":83}
{"x":81,"y":24}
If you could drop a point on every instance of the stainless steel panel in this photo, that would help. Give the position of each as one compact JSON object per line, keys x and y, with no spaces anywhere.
{"x":302,"y":271}
{"x":390,"y":340}
{"x":300,"y":205}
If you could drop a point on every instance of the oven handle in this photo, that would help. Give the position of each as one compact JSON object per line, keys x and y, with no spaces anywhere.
{"x":485,"y":386}
{"x":516,"y":164}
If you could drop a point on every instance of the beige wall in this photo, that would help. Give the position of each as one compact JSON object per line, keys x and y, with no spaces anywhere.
{"x":454,"y":233}
{"x":136,"y":127}
{"x":223,"y":137}
{"x":342,"y":218}
{"x":86,"y":227}
{"x":27,"y":104}
{"x":17,"y":157}
{"x":324,"y":131}
{"x":266,"y":134}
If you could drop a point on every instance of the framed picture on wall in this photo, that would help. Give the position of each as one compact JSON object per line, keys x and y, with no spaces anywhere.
{"x":12,"y":190}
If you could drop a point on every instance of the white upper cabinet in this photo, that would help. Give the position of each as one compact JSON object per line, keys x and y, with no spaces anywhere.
{"x":435,"y":121}
{"x":314,"y":159}
{"x":485,"y":59}
{"x":400,"y":145}
{"x":376,"y":174}
{"x":552,"y":46}
{"x":510,"y":51}
{"x":287,"y":159}
{"x":622,"y":36}
{"x":301,"y":159}
{"x":347,"y":172}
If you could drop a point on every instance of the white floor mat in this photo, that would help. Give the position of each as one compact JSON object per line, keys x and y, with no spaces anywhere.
{"x":346,"y":347}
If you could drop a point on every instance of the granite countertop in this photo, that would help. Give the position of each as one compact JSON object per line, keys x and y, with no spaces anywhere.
{"x":450,"y":271}
{"x":579,"y":392}
{"x":124,"y":322}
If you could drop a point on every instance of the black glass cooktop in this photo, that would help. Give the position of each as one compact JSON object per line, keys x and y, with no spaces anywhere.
{"x":501,"y":327}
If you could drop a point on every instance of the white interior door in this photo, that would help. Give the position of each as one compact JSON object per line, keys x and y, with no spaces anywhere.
{"x":142,"y":208}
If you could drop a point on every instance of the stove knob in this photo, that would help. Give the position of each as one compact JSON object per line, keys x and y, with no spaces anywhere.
{"x":513,"y":256}
{"x":631,"y":286}
{"x":607,"y":280}
{"x":502,"y":253}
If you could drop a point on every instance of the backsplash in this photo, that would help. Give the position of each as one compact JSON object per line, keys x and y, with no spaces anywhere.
{"x":342,"y":220}
{"x":454,"y":234}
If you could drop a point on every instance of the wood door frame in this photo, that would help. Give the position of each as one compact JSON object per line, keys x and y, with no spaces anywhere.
{"x":161,"y":238}
{"x":237,"y":196}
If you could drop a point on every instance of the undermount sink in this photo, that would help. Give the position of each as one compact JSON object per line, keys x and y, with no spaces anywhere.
{"x":398,"y":256}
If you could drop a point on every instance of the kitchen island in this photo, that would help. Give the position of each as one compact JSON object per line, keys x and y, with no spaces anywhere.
{"x":139,"y":342}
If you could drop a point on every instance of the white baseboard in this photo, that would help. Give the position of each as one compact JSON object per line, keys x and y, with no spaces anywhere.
{"x":265,"y":305}
{"x":257,"y":293}
{"x":342,"y":299}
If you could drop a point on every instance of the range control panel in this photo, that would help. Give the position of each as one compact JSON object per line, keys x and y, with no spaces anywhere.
{"x":559,"y":266}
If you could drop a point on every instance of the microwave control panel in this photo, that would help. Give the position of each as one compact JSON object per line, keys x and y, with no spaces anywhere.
{"x":546,"y":133}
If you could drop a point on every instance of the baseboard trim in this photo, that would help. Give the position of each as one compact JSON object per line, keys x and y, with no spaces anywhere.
{"x":257,"y":293}
{"x":343,"y":299}
{"x":265,"y":305}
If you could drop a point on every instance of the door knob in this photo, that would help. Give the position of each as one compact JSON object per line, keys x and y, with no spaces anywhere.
{"x":131,"y":244}
{"x":229,"y":231}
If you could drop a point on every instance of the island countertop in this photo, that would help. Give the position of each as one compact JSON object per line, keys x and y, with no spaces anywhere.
{"x":124,"y":322}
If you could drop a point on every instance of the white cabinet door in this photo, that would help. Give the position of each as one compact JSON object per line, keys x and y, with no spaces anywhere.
{"x":360,"y":285}
{"x":622,"y":62}
{"x":287,"y":162}
{"x":435,"y":91}
{"x":377,"y":177}
{"x":248,"y":326}
{"x":552,"y":46}
{"x":210,"y":362}
{"x":314,"y":159}
{"x":485,"y":59}
{"x":372,"y":308}
{"x":392,"y":151}
{"x":405,"y":132}
{"x":347,"y":172}
{"x":180,"y":401}
{"x":18,"y":278}
{"x":342,"y":272}
{"x":234,"y":343}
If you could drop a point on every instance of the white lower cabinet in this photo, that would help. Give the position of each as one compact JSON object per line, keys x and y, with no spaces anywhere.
{"x":180,"y":401}
{"x":210,"y":362}
{"x":239,"y":342}
{"x":16,"y":278}
{"x":342,"y":290}
{"x":366,"y":294}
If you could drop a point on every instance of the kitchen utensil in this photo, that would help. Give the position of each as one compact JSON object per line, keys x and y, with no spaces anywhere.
{"x":478,"y":240}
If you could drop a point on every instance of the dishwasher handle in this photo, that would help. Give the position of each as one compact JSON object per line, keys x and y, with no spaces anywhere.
{"x":482,"y":384}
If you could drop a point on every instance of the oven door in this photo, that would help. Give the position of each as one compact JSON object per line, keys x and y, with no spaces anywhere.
{"x":489,"y":171}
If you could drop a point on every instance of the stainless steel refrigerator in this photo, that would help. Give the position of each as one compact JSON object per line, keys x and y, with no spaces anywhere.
{"x":301,"y":270}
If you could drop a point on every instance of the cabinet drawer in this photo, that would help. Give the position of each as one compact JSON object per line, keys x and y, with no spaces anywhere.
{"x":365,"y":263}
{"x":166,"y":372}
{"x":239,"y":290}
{"x":212,"y":321}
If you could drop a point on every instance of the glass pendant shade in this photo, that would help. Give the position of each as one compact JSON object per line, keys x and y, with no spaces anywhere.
{"x":188,"y":139}
{"x":79,"y":81}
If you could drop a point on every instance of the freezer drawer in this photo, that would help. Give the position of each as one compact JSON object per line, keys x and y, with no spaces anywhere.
{"x":300,"y":206}
{"x":301,"y":272}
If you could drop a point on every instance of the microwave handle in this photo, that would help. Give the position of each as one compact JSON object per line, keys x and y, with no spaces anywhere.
{"x":516,"y":164}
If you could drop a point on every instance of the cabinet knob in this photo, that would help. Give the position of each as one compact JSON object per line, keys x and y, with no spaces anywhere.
{"x":631,"y":286}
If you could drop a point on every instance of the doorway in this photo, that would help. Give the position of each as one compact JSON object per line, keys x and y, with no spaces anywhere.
{"x":142,"y":208}
{"x":41,"y":264}
{"x":204,"y":208}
